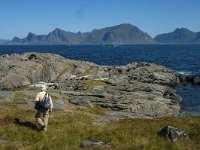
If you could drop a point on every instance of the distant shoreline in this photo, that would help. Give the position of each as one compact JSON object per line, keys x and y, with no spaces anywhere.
{"x":99,"y":44}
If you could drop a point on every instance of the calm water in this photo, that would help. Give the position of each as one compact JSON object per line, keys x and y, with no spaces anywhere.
{"x":184,"y":59}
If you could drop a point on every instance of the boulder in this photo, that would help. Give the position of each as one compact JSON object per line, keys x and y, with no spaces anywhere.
{"x":58,"y":105}
{"x":173,"y":133}
{"x":190,"y":79}
{"x":93,"y":143}
{"x":30,"y":68}
{"x":196,"y":80}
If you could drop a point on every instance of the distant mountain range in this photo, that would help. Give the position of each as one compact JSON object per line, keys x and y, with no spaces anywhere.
{"x":120,"y":34}
{"x":182,"y":35}
{"x":115,"y":35}
{"x":3,"y":41}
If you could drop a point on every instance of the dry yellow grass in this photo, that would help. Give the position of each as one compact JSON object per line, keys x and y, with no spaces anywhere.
{"x":68,"y":129}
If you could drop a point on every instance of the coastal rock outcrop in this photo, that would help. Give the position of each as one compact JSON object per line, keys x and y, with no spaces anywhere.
{"x":190,"y":79}
{"x":142,"y":89}
{"x":29,"y":68}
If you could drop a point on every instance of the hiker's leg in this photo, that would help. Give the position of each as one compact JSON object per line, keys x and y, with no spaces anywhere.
{"x":46,"y":118}
{"x":38,"y":117}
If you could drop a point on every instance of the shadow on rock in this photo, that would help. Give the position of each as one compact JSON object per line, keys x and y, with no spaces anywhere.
{"x":26,"y":124}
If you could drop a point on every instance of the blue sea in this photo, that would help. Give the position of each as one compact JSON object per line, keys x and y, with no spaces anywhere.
{"x":183,"y":58}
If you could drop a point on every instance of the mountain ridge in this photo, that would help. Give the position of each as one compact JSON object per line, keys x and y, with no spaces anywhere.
{"x":179,"y":36}
{"x":119,"y":34}
{"x":122,"y":34}
{"x":2,"y":41}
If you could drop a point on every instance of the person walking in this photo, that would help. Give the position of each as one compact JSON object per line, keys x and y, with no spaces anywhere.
{"x":42,"y":114}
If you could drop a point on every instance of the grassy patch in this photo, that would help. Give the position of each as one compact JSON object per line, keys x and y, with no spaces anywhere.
{"x":11,"y":105}
{"x":96,"y":110}
{"x":67,"y":129}
{"x":95,"y":83}
{"x":89,"y":71}
{"x":19,"y":94}
{"x":64,"y":71}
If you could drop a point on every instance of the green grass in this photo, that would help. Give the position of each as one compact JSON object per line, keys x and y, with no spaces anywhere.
{"x":67,"y":129}
{"x":19,"y":94}
{"x":93,"y":83}
{"x":64,"y":71}
{"x":89,"y":71}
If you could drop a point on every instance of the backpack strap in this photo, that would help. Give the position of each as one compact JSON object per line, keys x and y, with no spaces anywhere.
{"x":44,"y":97}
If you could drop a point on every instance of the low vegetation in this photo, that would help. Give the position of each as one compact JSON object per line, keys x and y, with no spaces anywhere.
{"x":93,"y":83}
{"x":68,"y":129}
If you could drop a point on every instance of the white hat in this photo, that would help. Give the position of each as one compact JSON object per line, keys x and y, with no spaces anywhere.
{"x":43,"y":88}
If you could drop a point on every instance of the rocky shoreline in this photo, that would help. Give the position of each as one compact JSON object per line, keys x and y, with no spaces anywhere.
{"x":136,"y":90}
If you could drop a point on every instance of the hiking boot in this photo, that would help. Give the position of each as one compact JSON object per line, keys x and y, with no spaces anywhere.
{"x":43,"y":127}
{"x":45,"y":130}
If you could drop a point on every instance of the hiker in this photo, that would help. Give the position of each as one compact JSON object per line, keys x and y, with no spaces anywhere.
{"x":42,"y":114}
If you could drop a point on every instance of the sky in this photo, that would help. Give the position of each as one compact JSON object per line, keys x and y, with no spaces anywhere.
{"x":19,"y":17}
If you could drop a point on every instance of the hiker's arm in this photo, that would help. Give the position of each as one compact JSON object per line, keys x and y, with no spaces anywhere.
{"x":37,"y":98}
{"x":37,"y":102}
{"x":51,"y":108}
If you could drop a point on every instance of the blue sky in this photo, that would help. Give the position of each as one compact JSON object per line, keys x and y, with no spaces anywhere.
{"x":18,"y":17}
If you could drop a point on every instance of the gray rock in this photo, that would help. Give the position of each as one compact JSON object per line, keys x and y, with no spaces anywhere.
{"x":2,"y":141}
{"x":113,"y":106}
{"x":6,"y":96}
{"x":81,"y":102}
{"x":196,"y":80}
{"x":190,"y":79}
{"x":116,"y":115}
{"x":173,"y":133}
{"x":29,"y":68}
{"x":116,"y":80}
{"x":5,"y":55}
{"x":32,"y":57}
{"x":93,"y":143}
{"x":58,"y":105}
